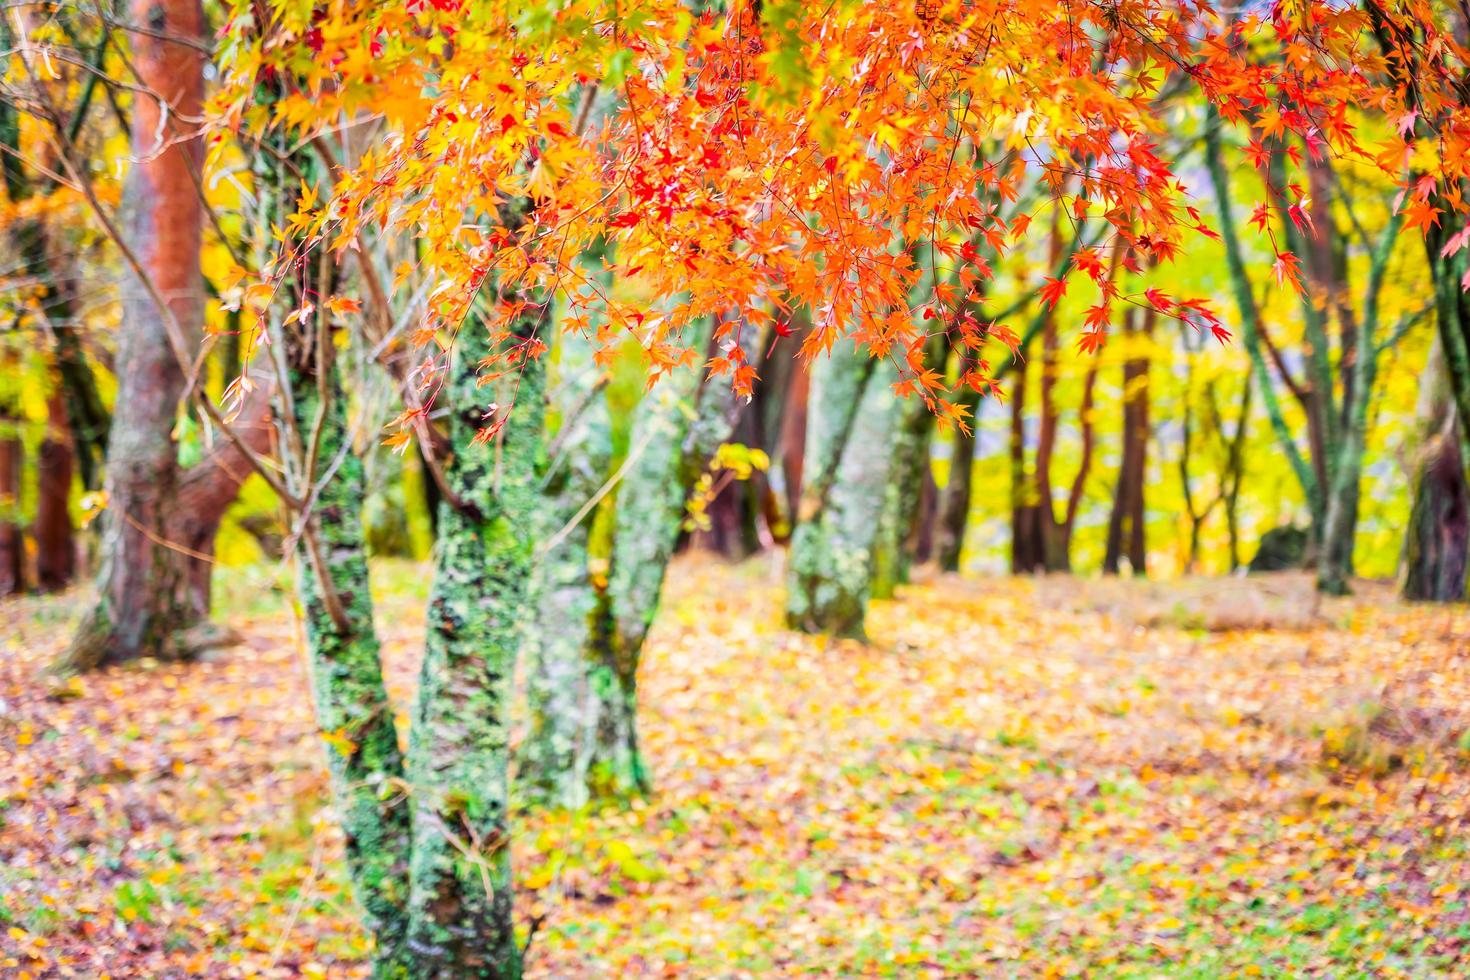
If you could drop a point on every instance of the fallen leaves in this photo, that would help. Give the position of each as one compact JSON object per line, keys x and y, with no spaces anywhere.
{"x":1020,"y":778}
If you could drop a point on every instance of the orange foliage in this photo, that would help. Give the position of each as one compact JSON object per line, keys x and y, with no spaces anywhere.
{"x":767,"y":156}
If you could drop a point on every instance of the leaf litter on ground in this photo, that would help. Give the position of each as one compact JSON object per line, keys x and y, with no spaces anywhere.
{"x":1015,"y":777}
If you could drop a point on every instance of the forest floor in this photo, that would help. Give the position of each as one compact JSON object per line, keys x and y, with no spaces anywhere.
{"x":1047,"y":777}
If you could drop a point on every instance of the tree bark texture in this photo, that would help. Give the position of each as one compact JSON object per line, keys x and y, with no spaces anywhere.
{"x":1437,"y":541}
{"x":144,"y":603}
{"x":353,"y":713}
{"x":568,"y":680}
{"x":851,"y":418}
{"x":56,"y":546}
{"x":460,"y":902}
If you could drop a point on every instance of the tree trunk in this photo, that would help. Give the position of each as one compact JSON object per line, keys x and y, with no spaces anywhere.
{"x":352,"y":708}
{"x":901,"y":496}
{"x":56,"y":304}
{"x":669,"y":450}
{"x":849,"y":437}
{"x":564,"y":675}
{"x":954,"y":499}
{"x":1437,"y":542}
{"x":1251,"y":333}
{"x":56,"y":547}
{"x":1026,"y":546}
{"x":144,"y":583}
{"x":780,"y":408}
{"x":735,"y":508}
{"x":920,"y":543}
{"x":1126,"y":524}
{"x":791,"y":457}
{"x":460,"y":903}
{"x":12,"y":541}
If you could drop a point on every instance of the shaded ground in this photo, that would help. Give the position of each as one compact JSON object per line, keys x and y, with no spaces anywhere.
{"x":1016,"y":778}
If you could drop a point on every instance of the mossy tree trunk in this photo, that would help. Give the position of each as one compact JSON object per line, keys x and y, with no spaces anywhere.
{"x":565,"y":671}
{"x":1335,"y":405}
{"x":902,"y":496}
{"x":460,"y":922}
{"x":850,"y":427}
{"x":353,"y":712}
{"x":352,"y":708}
{"x":677,"y":428}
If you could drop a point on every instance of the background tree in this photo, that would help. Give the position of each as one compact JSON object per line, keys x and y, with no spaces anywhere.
{"x":1127,"y":522}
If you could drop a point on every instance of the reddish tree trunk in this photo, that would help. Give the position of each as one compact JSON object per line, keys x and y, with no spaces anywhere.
{"x":793,"y":435}
{"x":146,"y":581}
{"x":56,"y":549}
{"x":12,"y":542}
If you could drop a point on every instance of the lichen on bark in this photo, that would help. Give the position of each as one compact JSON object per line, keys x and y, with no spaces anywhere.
{"x":353,"y":712}
{"x":849,"y":435}
{"x":677,"y":429}
{"x":461,"y":896}
{"x":650,"y":508}
{"x":352,"y":707}
{"x":563,"y":704}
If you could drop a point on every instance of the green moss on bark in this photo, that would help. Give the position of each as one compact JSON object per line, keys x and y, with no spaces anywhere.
{"x":352,"y":707}
{"x":849,"y":450}
{"x":564,"y":705}
{"x":461,"y":899}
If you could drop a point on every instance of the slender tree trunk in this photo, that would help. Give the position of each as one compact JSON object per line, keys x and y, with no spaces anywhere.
{"x":56,"y":546}
{"x":12,"y":541}
{"x":144,"y":583}
{"x":85,"y":415}
{"x":677,"y":428}
{"x":1350,"y":433}
{"x":920,"y":543}
{"x":849,"y":434}
{"x":646,"y":526}
{"x":352,"y":708}
{"x":353,"y":712}
{"x":780,"y":404}
{"x":901,"y":497}
{"x":1055,"y":538}
{"x":1235,"y":472}
{"x":460,"y":903}
{"x":1026,"y":546}
{"x":46,"y":264}
{"x":1252,"y":337}
{"x":791,"y":456}
{"x":564,"y":676}
{"x":735,"y":508}
{"x":954,"y":500}
{"x":1126,"y":524}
